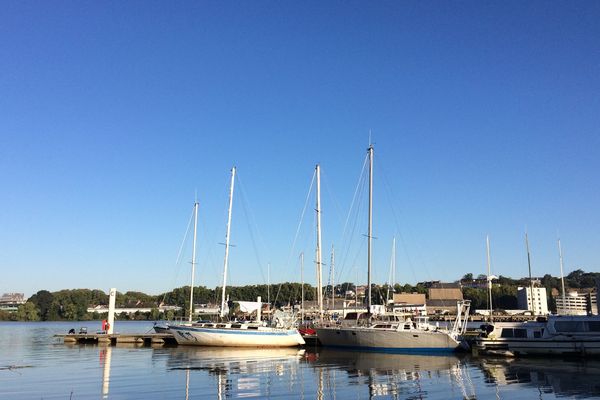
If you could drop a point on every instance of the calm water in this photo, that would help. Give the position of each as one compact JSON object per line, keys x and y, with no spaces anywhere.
{"x":33,"y":365}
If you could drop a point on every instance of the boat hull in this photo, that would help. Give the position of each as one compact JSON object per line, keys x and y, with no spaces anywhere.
{"x":387,"y":340}
{"x":228,"y":337}
{"x":525,"y":347}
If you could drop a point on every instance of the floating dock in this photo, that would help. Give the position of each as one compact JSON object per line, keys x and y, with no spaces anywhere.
{"x":145,"y":339}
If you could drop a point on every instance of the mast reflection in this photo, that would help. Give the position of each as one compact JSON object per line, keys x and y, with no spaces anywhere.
{"x":105,"y":357}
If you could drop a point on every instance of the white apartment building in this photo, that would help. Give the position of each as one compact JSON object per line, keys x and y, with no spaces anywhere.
{"x":576,"y":304}
{"x":538,"y":305}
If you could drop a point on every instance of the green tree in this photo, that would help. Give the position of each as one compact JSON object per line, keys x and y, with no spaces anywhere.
{"x":28,"y":312}
{"x":43,"y":300}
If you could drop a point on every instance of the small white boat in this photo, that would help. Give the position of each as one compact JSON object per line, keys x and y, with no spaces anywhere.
{"x":236,"y":335}
{"x":558,"y":335}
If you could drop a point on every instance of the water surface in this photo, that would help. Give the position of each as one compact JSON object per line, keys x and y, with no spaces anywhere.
{"x":34,"y":365}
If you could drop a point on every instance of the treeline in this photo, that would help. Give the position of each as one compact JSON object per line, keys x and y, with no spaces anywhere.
{"x":504,"y":296}
{"x":72,"y":305}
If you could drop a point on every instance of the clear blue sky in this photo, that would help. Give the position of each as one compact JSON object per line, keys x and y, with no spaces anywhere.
{"x":485,"y":119}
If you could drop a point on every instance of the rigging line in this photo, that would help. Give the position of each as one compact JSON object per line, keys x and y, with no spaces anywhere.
{"x":401,"y":236}
{"x":178,"y":259}
{"x":391,"y":196}
{"x":336,"y":204}
{"x":361,"y":178}
{"x":301,"y":219}
{"x":355,"y":208}
{"x":245,"y":207}
{"x":287,"y":263}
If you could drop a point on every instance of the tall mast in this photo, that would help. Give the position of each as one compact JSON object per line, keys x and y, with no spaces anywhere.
{"x":225,"y":263}
{"x":489,"y":274}
{"x":319,"y":261}
{"x":193,"y":261}
{"x":562,"y":276}
{"x":370,"y":233}
{"x":302,"y":290}
{"x":530,"y":278}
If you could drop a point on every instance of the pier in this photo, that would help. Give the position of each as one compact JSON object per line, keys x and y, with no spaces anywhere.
{"x":145,"y":339}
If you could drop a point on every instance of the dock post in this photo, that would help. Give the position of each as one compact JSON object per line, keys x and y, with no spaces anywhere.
{"x":111,"y":310}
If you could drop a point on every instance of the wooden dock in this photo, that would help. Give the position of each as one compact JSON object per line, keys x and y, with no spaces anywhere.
{"x":145,"y":339}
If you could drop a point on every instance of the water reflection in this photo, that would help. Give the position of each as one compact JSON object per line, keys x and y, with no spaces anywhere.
{"x":392,"y":375}
{"x":563,"y":377}
{"x":238,"y":372}
{"x":33,"y":366}
{"x":105,"y":355}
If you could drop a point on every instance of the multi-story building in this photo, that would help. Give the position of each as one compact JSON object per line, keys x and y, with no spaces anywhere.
{"x":536,"y":301}
{"x":11,"y":301}
{"x":577,"y":303}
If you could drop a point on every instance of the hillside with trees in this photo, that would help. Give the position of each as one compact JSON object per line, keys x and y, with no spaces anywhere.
{"x":72,"y":304}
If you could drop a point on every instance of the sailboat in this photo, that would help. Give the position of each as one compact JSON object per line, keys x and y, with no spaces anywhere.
{"x":237,"y":334}
{"x":403,"y":335}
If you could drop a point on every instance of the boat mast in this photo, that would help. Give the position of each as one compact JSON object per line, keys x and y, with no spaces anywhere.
{"x":193,"y":261}
{"x":302,"y":289}
{"x":319,"y":261}
{"x":489,"y":279}
{"x":562,"y":276}
{"x":530,"y":278}
{"x":225,"y":263}
{"x":370,"y":233}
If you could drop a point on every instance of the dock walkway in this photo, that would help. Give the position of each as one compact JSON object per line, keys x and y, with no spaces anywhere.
{"x":114,"y":338}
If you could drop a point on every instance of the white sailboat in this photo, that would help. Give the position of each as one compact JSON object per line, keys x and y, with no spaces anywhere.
{"x":400,"y":335}
{"x":237,"y":334}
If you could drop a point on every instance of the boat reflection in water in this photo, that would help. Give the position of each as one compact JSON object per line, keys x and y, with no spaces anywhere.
{"x":339,"y":374}
{"x":395,"y":375}
{"x":239,"y":372}
{"x":571,"y":378}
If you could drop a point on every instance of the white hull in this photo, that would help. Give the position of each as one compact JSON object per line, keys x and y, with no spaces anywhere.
{"x":558,"y":346}
{"x":231,"y":337}
{"x":560,"y":335}
{"x":387,"y":339}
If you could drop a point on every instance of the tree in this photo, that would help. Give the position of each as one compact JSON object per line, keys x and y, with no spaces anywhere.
{"x":467,"y":277}
{"x":43,"y":300}
{"x":28,"y":312}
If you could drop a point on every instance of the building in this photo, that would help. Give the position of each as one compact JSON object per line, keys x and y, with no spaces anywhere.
{"x":410,"y":303}
{"x":577,"y":303}
{"x":11,"y":301}
{"x":340,"y":307}
{"x":538,"y":305}
{"x":443,"y":298}
{"x":102,"y":309}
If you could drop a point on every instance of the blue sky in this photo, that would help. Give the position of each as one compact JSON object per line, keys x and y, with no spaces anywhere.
{"x":484,"y":117}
